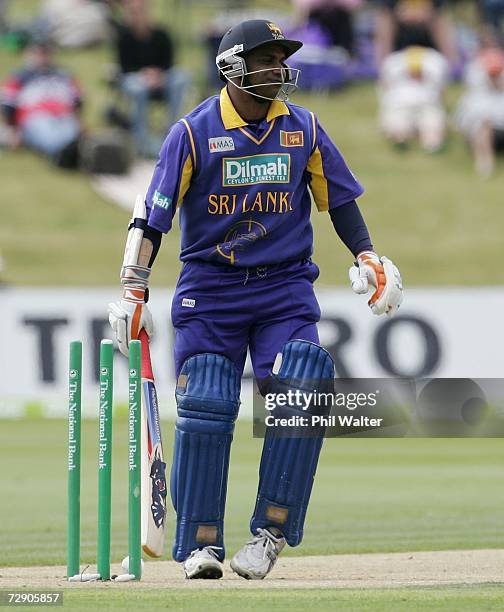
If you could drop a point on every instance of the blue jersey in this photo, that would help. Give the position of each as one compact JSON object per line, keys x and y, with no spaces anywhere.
{"x":244,"y":190}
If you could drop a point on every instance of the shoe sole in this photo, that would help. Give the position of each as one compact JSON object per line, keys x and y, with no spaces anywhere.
{"x":238,"y":570}
{"x":210,"y":572}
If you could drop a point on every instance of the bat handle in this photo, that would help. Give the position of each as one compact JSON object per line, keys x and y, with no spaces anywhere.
{"x":146,"y":358}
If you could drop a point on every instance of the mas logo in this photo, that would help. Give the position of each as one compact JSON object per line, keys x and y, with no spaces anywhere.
{"x":221,"y":143}
{"x":291,"y":139}
{"x":266,"y":168}
{"x":159,"y":199}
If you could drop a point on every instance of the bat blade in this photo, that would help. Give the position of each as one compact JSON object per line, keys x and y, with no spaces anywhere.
{"x":153,"y":465}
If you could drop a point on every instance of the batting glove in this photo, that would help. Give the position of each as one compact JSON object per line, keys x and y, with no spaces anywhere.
{"x":383,"y":276}
{"x":131,"y":314}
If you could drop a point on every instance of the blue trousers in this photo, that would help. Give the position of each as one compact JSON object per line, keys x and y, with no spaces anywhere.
{"x":238,"y":308}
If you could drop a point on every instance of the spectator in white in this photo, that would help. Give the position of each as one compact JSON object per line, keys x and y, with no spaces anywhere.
{"x":73,"y":23}
{"x":411,"y":97}
{"x":41,"y":104}
{"x":480,"y":112}
{"x":335,"y":17}
{"x":146,"y":60}
{"x":406,"y":23}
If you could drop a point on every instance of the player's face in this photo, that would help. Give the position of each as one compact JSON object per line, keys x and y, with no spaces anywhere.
{"x":269,"y":59}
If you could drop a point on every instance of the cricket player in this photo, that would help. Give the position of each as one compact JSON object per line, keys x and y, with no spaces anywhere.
{"x":480,"y":112}
{"x":242,"y":169}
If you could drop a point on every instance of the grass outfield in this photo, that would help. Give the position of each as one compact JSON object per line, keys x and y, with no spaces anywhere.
{"x":422,"y":210}
{"x":470,"y":598}
{"x":369,"y":496}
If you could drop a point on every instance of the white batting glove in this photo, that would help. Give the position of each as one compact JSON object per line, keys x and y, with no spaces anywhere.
{"x":381,"y":274}
{"x":131,"y":314}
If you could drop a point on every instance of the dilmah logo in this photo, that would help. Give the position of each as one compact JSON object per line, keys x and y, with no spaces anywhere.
{"x":187,"y":303}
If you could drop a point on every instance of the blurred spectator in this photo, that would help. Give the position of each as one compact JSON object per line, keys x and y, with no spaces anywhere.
{"x":41,"y":104}
{"x":480,"y":112}
{"x":73,"y":23}
{"x":406,"y":23}
{"x":334,"y":17}
{"x":411,"y":97}
{"x":492,"y":13}
{"x":146,"y":61}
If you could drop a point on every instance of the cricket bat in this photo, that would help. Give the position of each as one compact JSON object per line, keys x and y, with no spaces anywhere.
{"x":153,"y":466}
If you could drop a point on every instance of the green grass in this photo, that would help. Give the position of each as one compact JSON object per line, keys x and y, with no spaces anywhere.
{"x":470,"y":598}
{"x":369,"y":495}
{"x":428,"y":213}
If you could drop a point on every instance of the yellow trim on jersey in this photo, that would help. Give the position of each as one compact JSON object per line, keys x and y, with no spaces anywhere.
{"x":318,"y":183}
{"x":254,"y":139}
{"x":230,"y":117}
{"x":277,"y":109}
{"x":232,"y":120}
{"x":189,"y":131}
{"x":185,"y":181}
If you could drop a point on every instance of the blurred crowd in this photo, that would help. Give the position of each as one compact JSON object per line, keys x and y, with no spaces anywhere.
{"x":412,"y":48}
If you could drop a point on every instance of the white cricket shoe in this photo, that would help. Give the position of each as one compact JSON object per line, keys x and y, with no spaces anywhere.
{"x":257,"y":558}
{"x":203,"y":563}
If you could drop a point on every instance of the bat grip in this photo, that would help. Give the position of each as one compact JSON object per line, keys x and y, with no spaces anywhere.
{"x":146,"y":358}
